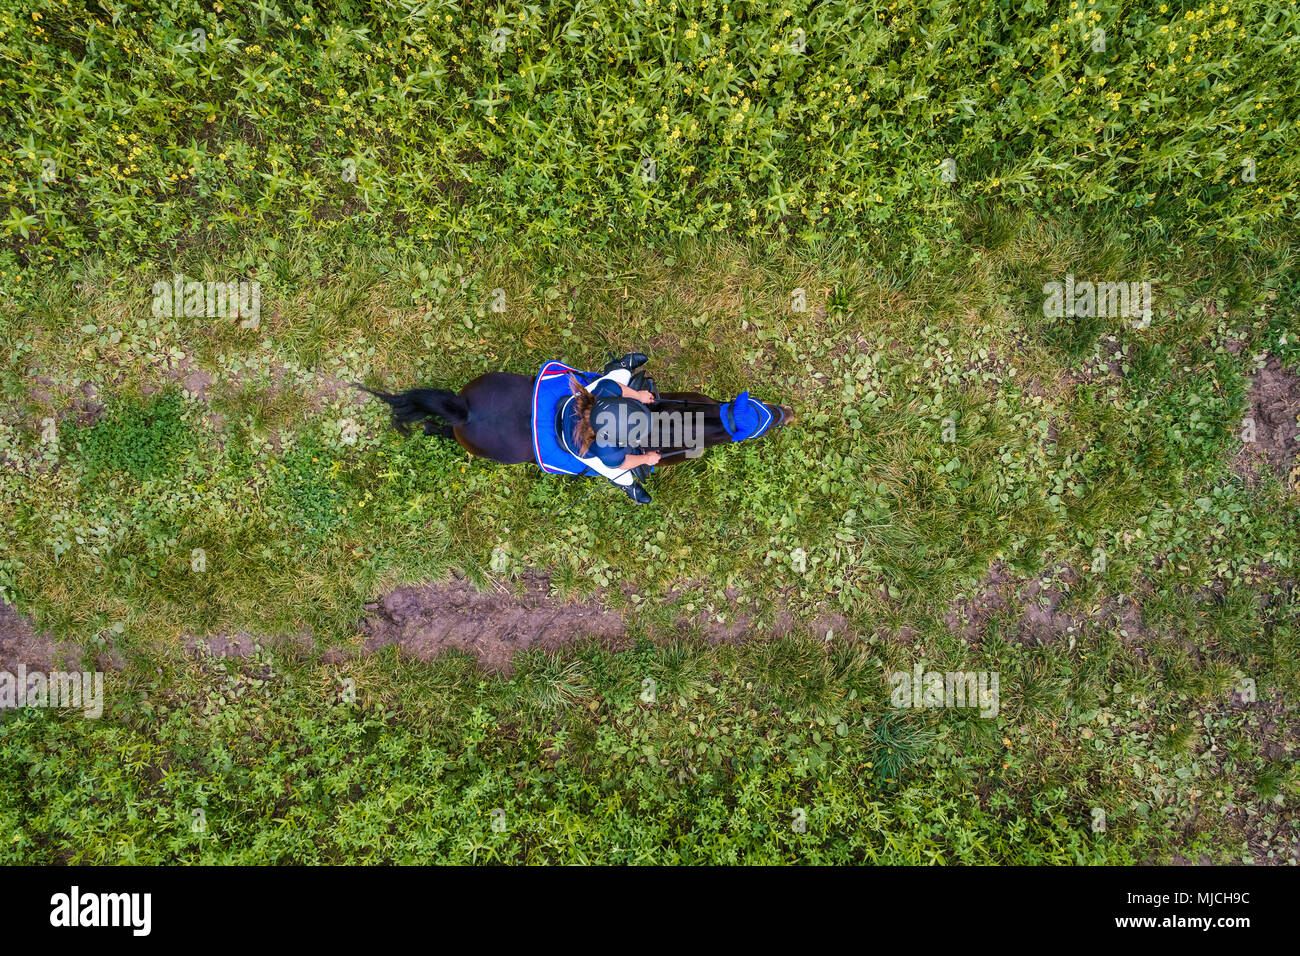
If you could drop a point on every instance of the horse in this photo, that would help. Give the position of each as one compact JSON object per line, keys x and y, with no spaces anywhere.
{"x":494,"y":417}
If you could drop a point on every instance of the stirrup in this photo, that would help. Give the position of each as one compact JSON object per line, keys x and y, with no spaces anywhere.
{"x":636,"y":492}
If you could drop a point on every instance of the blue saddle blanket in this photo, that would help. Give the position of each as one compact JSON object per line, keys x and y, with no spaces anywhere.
{"x":551,"y":388}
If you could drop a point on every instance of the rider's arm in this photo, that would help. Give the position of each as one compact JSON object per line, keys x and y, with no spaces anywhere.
{"x":633,"y":461}
{"x":645,"y":396}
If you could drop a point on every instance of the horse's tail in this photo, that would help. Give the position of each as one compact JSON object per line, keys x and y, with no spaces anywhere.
{"x":438,"y":408}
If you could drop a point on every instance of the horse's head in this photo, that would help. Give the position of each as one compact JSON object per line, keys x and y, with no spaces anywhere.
{"x":753,"y":418}
{"x":783,"y":414}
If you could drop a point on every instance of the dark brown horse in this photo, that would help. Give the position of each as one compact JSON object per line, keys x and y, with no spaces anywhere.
{"x":492,"y":416}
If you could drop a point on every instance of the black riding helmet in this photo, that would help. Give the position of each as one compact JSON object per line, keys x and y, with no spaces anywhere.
{"x":620,"y":422}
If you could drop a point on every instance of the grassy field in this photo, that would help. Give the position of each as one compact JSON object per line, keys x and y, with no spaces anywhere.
{"x":972,"y":485}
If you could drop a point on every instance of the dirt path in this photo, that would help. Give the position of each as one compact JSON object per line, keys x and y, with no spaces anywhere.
{"x":426,"y":620}
{"x":1274,"y":406}
{"x":21,"y":644}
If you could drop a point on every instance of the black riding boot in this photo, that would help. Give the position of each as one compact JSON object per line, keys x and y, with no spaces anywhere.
{"x":631,"y":361}
{"x":641,"y":382}
{"x":636,"y":493}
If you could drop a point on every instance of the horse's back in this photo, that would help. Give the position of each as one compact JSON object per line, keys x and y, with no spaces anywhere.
{"x":500,"y":423}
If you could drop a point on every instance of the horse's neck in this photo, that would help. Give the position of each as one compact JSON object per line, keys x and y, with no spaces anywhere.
{"x":714,"y":432}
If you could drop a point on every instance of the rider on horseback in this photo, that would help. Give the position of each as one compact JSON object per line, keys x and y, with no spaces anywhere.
{"x":615,"y":452}
{"x":611,"y":423}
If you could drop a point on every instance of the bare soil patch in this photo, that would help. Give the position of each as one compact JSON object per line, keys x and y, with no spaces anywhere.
{"x":1274,"y":405}
{"x":1043,"y":620}
{"x":20,"y":644}
{"x":969,"y":616}
{"x":1107,"y":366}
{"x":1037,"y":610}
{"x":425,"y":620}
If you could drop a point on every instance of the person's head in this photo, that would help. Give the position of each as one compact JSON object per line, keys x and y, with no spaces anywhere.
{"x":583,"y":433}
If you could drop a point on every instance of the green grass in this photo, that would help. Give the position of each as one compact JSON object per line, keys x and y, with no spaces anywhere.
{"x":353,"y":123}
{"x":1084,"y":452}
{"x":584,"y":771}
{"x":301,"y":528}
{"x":140,"y":439}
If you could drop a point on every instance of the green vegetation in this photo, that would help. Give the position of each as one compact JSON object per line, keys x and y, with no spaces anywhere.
{"x":1054,"y":459}
{"x":206,"y":477}
{"x":140,"y":439}
{"x":585,"y":772}
{"x":168,"y":124}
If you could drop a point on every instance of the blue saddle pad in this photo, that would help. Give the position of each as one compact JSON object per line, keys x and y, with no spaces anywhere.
{"x":551,"y":388}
